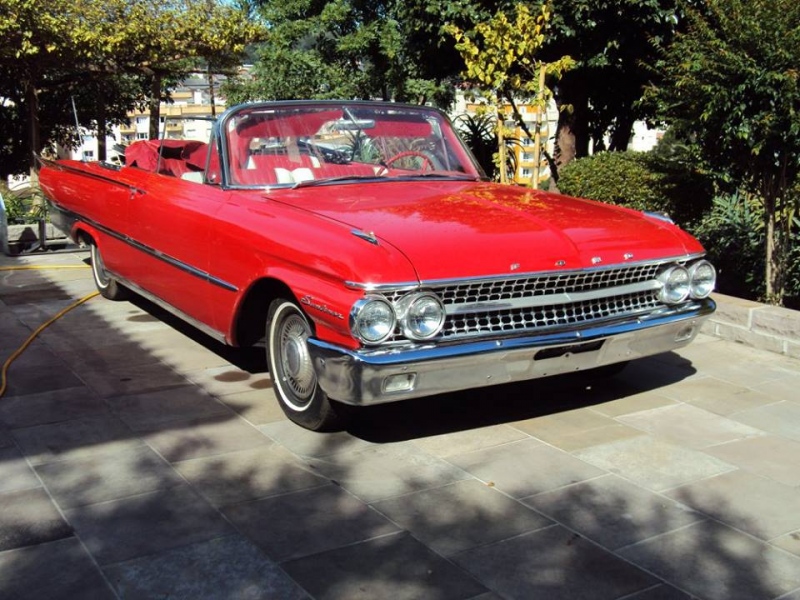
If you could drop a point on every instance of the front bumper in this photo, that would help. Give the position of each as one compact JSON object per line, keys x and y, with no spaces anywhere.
{"x":364,"y":377}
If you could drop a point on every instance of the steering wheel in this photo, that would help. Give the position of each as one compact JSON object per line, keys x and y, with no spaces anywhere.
{"x":427,"y":163}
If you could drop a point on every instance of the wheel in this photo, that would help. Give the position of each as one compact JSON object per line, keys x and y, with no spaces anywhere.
{"x":107,"y":286}
{"x":425,"y":164}
{"x":291,"y":369}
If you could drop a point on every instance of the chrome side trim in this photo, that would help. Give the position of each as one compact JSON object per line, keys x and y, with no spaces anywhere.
{"x":70,"y":169}
{"x":178,"y":264}
{"x":358,"y":377}
{"x":407,"y":286}
{"x":174,"y":262}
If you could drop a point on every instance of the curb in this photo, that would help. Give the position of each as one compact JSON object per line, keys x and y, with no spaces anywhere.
{"x":771,"y":328}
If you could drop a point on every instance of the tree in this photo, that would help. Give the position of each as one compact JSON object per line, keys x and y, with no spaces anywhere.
{"x":732,"y":85}
{"x":103,"y":51}
{"x":342,"y":49}
{"x":39,"y":41}
{"x":160,"y":41}
{"x":615,"y":44}
{"x":502,"y":56}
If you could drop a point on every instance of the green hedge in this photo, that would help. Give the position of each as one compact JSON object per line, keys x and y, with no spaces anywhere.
{"x":639,"y":180}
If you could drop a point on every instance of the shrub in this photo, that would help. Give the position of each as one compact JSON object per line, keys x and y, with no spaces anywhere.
{"x":613,"y":177}
{"x":733,"y":234}
{"x":22,"y":206}
{"x":658,"y":182}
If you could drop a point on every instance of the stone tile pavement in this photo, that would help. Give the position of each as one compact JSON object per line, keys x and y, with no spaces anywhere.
{"x":139,"y":459}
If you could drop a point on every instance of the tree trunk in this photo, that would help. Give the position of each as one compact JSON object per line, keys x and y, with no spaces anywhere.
{"x":155,"y":106}
{"x":621,"y":133}
{"x":102,"y":151}
{"x":572,"y":132}
{"x":775,"y":272}
{"x":211,"y":97}
{"x":32,"y":99}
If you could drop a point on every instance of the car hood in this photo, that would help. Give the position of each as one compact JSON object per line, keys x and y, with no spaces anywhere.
{"x":475,"y":229}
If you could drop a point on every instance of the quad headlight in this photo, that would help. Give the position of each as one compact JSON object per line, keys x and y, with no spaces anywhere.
{"x":679,"y":283}
{"x":675,"y":285}
{"x":372,"y":320}
{"x":703,"y":278}
{"x":421,"y":316}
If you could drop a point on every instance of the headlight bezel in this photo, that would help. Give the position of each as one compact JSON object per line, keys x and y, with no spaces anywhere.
{"x":694,"y":284}
{"x":405,"y":310}
{"x":670,"y":278}
{"x":357,"y":315}
{"x":686,"y":281}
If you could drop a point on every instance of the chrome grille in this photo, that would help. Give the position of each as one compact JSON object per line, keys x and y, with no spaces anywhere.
{"x":481,"y":307}
{"x":548,"y":316}
{"x":528,"y":287}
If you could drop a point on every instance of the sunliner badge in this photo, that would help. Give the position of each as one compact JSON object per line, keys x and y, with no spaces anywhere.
{"x":276,"y":199}
{"x":311,"y":303}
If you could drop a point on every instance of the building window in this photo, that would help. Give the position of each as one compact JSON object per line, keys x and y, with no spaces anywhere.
{"x":88,"y":155}
{"x":141,"y":135}
{"x":526,"y":172}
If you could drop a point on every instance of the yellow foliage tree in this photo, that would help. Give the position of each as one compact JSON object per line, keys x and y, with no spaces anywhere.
{"x":500,"y":57}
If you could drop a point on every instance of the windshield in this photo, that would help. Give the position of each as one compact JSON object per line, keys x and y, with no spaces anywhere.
{"x":289,"y":144}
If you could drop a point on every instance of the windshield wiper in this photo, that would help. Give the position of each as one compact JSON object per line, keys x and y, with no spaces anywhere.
{"x":340,"y":179}
{"x":377,"y":178}
{"x":435,"y":175}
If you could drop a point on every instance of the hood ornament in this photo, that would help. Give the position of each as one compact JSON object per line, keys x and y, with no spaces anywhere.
{"x":366,"y":235}
{"x":596,"y":260}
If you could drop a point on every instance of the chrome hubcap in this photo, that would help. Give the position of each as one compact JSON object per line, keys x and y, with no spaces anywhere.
{"x":297,"y":371}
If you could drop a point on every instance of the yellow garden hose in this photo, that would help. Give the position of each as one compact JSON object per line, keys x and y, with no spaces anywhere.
{"x":61,"y":313}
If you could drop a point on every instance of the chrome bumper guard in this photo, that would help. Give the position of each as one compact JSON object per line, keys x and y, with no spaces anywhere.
{"x":365,"y":377}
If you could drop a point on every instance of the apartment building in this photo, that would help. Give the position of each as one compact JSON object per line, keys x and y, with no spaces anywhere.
{"x":192,"y":98}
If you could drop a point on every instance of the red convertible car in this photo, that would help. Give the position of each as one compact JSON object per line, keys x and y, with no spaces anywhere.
{"x":363,"y":246}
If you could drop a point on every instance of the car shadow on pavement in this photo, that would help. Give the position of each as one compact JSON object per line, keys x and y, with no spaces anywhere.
{"x":510,"y":403}
{"x":251,"y":359}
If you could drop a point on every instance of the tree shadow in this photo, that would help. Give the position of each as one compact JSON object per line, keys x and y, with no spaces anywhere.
{"x":134,"y":481}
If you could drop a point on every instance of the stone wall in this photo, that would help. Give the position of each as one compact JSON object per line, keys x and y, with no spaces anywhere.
{"x":767,"y":327}
{"x":18,"y":237}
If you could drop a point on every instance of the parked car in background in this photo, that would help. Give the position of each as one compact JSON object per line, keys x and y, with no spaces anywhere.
{"x":360,"y":243}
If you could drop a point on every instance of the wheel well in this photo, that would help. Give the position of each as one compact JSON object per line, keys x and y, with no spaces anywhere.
{"x":83,"y":237}
{"x":251,"y":321}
